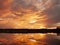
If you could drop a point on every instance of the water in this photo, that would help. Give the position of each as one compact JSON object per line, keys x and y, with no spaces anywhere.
{"x":29,"y":39}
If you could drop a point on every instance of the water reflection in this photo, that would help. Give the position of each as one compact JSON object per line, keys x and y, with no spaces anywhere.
{"x":29,"y":39}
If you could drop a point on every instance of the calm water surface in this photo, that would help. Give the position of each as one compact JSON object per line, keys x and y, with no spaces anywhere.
{"x":29,"y":39}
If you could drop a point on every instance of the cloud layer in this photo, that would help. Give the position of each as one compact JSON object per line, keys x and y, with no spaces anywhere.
{"x":14,"y":11}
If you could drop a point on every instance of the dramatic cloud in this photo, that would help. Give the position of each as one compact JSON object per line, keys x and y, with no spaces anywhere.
{"x":54,"y":13}
{"x":29,"y":13}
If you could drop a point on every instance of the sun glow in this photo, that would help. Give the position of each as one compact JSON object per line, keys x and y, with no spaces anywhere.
{"x":28,"y":17}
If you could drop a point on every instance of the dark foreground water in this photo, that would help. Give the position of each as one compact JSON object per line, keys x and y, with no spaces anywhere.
{"x":29,"y":39}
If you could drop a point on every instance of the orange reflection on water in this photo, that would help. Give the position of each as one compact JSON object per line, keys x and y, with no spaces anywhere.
{"x":28,"y":39}
{"x":22,"y":37}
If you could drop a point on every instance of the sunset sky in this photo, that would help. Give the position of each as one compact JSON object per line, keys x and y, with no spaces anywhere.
{"x":30,"y":14}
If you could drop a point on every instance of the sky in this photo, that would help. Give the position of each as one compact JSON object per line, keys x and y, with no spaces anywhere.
{"x":29,"y":14}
